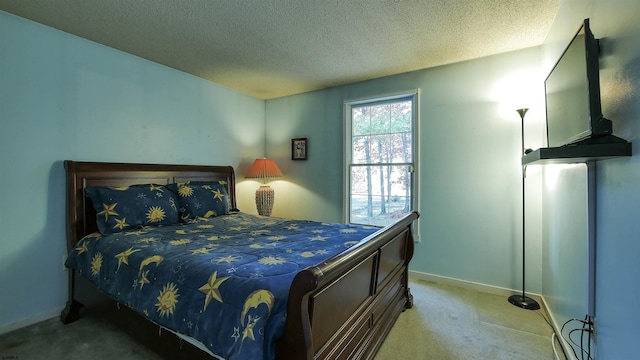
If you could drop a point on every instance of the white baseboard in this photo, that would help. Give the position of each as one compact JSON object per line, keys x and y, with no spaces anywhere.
{"x":30,"y":320}
{"x":468,"y":284}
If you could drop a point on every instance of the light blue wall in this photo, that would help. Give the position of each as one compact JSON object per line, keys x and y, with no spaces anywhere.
{"x":470,"y":180}
{"x":618,"y":186}
{"x":62,"y":97}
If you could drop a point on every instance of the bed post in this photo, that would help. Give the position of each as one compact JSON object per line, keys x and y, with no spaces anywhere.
{"x":409,"y":255}
{"x":300,"y":347}
{"x":71,"y":312}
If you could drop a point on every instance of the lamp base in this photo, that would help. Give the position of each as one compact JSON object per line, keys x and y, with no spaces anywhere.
{"x":264,"y":200}
{"x":524,"y":302}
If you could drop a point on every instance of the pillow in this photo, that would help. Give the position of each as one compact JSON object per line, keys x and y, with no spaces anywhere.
{"x":201,"y":199}
{"x":124,"y":208}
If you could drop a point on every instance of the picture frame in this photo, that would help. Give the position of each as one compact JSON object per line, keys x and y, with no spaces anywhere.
{"x":299,"y":148}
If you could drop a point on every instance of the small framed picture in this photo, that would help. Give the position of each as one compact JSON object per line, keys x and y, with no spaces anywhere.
{"x":299,"y":149}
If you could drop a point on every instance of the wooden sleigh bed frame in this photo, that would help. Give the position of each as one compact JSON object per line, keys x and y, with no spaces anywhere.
{"x":341,"y":308}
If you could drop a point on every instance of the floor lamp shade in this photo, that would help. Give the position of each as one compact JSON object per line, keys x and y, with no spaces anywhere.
{"x":264,"y":168}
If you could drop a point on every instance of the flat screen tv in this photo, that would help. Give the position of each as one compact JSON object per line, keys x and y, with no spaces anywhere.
{"x":572,"y":93}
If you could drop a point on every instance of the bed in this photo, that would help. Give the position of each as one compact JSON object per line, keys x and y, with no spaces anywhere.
{"x":284,"y":288}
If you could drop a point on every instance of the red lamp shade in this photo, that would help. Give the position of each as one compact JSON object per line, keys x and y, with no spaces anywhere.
{"x":264,"y":168}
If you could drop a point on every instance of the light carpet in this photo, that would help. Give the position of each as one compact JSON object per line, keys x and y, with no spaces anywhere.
{"x":446,"y":322}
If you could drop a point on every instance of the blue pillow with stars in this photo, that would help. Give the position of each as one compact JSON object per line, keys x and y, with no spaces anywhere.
{"x":201,"y":199}
{"x":129,"y":207}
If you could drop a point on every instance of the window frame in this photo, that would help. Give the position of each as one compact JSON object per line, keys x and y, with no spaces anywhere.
{"x":412,"y":95}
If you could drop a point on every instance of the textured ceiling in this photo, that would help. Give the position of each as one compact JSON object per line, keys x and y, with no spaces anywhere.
{"x":274,"y":48}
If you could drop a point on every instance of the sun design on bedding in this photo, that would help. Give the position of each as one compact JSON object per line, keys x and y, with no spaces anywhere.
{"x":96,"y":264}
{"x":185,"y":190}
{"x":155,"y":214}
{"x":167,"y":300}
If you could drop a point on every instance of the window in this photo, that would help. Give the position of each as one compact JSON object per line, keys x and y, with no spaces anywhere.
{"x":380,"y":158}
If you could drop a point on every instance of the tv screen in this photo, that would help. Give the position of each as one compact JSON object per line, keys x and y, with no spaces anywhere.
{"x":572,"y":93}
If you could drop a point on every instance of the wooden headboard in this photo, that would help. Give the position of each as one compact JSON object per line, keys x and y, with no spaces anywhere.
{"x":81,"y":217}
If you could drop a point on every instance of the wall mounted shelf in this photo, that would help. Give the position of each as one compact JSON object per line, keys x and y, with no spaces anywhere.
{"x":588,"y":152}
{"x":578,"y":153}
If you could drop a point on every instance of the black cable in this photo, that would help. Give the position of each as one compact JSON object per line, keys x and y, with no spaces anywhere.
{"x":575,"y":355}
{"x":589,"y":333}
{"x":585,"y":328}
{"x":569,"y":340}
{"x":582,"y":343}
{"x":582,"y":339}
{"x":582,"y":350}
{"x":582,"y":336}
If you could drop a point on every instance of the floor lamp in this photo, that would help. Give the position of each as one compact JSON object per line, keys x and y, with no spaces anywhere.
{"x":521,"y":300}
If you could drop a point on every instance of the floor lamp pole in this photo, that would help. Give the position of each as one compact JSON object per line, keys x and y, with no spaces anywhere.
{"x":523,"y":301}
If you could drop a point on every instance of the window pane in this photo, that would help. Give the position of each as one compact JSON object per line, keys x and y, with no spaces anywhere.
{"x":401,"y":117}
{"x":360,"y":150}
{"x":401,"y":148}
{"x":379,"y":194}
{"x":361,"y":123}
{"x":380,"y":119}
{"x":378,"y":145}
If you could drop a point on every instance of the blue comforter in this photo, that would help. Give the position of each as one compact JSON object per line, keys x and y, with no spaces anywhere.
{"x":223,"y":281}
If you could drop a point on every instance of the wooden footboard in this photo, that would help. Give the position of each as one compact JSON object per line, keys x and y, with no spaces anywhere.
{"x":344,"y":307}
